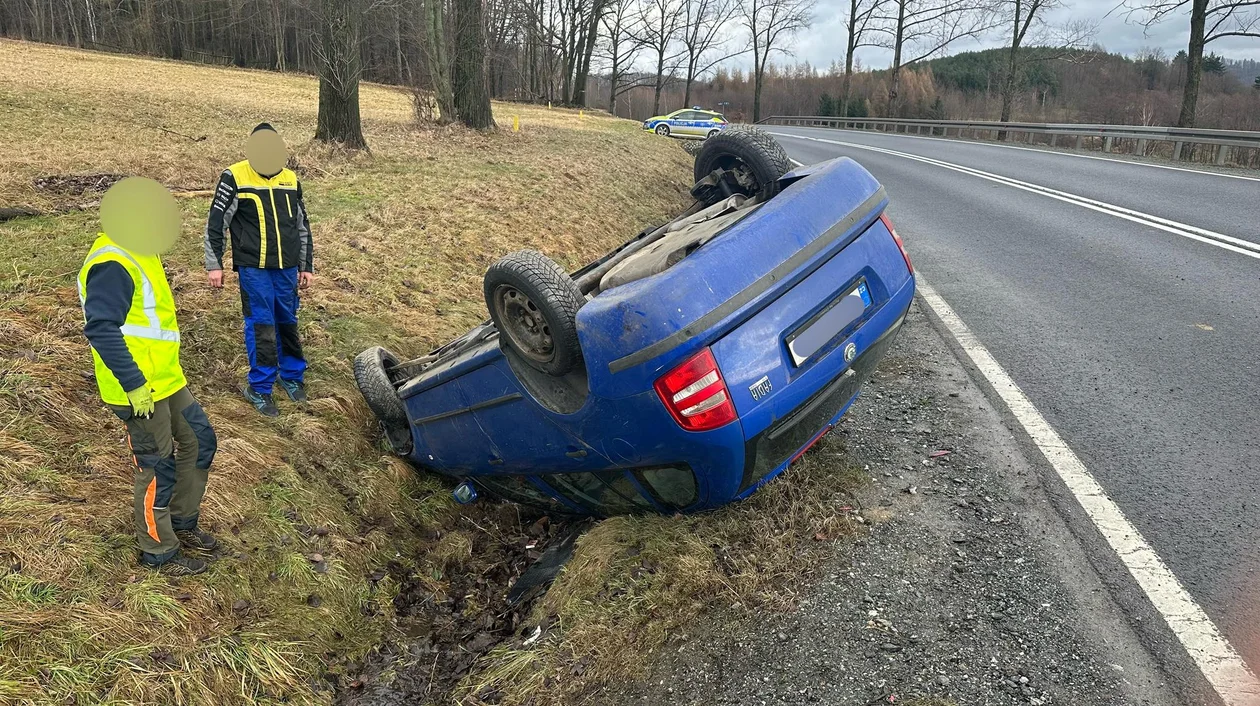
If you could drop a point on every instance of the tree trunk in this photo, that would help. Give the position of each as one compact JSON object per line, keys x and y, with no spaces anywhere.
{"x":340,"y":69}
{"x":660,"y":79}
{"x":584,"y":66}
{"x":1194,"y":63}
{"x":848,"y":59}
{"x":436,"y":59}
{"x":759,"y":69}
{"x":472,"y":95}
{"x":895,"y":80}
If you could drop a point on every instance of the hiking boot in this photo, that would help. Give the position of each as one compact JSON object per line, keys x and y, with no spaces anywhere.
{"x":177,"y":565}
{"x":196,"y":540}
{"x":296,"y":389}
{"x":263,"y":403}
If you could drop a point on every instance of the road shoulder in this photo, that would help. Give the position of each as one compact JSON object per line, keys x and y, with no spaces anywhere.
{"x":968,"y":586}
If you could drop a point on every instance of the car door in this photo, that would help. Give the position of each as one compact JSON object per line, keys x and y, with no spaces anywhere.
{"x":689,"y":123}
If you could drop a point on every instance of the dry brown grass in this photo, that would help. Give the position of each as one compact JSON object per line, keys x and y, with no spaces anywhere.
{"x":636,"y":582}
{"x":402,"y":237}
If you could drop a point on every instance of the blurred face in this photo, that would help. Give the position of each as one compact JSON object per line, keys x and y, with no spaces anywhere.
{"x":266,"y":152}
{"x":140,"y":215}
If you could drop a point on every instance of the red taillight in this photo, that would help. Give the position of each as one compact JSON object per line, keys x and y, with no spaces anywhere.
{"x":696,"y":394}
{"x":897,"y":238}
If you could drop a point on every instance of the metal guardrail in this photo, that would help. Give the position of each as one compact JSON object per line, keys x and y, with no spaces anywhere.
{"x":1222,"y":140}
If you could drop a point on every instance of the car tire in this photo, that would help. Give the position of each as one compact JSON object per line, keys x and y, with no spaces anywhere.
{"x":534,"y":304}
{"x":372,"y":376}
{"x":712,"y":133}
{"x":662,"y":130}
{"x":750,"y":147}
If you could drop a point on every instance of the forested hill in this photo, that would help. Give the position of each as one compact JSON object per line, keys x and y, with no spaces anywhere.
{"x":1097,"y":86}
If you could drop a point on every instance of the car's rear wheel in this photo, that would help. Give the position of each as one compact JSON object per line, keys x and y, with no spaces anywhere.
{"x":750,"y":161}
{"x":371,"y":373}
{"x":662,"y":130}
{"x":534,"y":304}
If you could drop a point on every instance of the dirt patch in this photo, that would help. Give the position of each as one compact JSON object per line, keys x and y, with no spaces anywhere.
{"x":443,"y":633}
{"x":76,"y":184}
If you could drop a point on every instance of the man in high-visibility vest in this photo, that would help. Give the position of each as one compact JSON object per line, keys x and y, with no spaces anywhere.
{"x":129,"y":315}
{"x":260,"y":204}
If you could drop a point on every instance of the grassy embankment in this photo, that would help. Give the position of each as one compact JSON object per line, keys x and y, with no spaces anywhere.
{"x":402,"y":237}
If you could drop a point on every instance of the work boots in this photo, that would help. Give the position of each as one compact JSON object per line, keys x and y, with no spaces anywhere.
{"x":265,"y":405}
{"x":196,"y":540}
{"x":176,"y":566}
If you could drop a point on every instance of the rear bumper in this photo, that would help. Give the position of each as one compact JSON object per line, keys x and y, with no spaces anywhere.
{"x":772,"y":450}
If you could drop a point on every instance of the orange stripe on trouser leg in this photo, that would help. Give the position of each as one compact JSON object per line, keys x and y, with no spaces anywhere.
{"x":150,"y":523}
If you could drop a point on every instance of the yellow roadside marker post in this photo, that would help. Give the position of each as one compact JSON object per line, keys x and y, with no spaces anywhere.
{"x":516,"y":123}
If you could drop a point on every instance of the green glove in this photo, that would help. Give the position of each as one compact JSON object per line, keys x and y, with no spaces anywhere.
{"x":141,"y":401}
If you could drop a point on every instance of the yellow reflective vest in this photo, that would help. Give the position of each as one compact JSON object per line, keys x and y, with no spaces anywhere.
{"x":150,"y":330}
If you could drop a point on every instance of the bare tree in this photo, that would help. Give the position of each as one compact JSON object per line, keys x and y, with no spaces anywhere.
{"x":703,"y":24}
{"x":858,"y":28}
{"x":658,"y":28}
{"x":1210,"y":20}
{"x":340,"y":67}
{"x":770,"y":24}
{"x":919,"y":29}
{"x":587,"y":41}
{"x":432,"y":34}
{"x":1026,"y":21}
{"x":621,"y":48}
{"x":468,"y":71}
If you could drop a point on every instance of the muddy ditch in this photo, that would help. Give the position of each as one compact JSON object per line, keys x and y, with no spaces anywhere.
{"x":469,"y":601}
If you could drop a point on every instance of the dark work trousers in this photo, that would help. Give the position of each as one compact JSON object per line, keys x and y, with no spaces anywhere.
{"x":269,"y":301}
{"x":172,"y":449}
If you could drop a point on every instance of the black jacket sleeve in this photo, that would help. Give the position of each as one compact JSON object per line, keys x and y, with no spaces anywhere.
{"x":106,"y":301}
{"x":306,"y":251}
{"x":222,"y":208}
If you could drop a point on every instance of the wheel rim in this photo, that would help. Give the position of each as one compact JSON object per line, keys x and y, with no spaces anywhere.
{"x":713,"y":132}
{"x":524,"y":324}
{"x":662,"y":129}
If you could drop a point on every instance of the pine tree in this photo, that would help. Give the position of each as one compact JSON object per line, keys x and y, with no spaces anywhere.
{"x":826,"y":104}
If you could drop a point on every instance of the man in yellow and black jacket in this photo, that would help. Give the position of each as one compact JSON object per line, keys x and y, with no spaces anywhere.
{"x":260,"y":203}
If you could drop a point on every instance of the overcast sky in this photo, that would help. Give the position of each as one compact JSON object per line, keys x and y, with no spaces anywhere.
{"x":823,"y":42}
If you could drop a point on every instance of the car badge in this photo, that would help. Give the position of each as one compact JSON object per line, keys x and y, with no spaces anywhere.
{"x":761,"y":388}
{"x":850,"y":352}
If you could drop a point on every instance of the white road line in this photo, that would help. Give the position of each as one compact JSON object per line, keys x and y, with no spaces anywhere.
{"x":1215,"y":657}
{"x":1220,"y":240}
{"x":1042,"y":151}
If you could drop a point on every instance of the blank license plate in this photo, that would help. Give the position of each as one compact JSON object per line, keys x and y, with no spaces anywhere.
{"x":818,"y":331}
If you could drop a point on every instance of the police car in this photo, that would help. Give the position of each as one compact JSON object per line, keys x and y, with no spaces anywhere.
{"x":688,"y":122}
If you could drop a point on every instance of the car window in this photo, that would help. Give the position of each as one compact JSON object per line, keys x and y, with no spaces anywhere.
{"x":606,"y":493}
{"x":519,"y":489}
{"x":693,"y":115}
{"x":673,"y":488}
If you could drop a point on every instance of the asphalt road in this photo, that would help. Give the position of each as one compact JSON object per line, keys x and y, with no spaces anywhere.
{"x":1138,"y":345}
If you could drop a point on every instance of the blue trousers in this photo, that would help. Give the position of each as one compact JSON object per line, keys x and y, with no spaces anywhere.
{"x":269,"y":301}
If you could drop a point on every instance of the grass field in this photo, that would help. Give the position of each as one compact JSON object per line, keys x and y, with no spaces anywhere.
{"x":402,"y":237}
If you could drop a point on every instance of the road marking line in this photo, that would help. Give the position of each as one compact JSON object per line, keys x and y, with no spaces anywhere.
{"x":1220,"y":240}
{"x":1223,"y":668}
{"x":1036,"y":149}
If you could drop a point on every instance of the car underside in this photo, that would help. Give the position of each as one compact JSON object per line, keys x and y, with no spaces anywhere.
{"x":681,"y":370}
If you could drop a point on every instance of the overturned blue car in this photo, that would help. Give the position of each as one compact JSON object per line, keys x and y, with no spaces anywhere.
{"x":677,"y":373}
